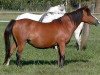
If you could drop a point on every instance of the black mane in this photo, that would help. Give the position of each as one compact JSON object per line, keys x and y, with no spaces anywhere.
{"x":77,"y":15}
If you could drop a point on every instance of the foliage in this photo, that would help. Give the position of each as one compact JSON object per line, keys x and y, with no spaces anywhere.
{"x":34,"y":5}
{"x":27,"y":4}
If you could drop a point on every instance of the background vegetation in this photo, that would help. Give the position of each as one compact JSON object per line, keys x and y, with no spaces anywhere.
{"x":34,"y":5}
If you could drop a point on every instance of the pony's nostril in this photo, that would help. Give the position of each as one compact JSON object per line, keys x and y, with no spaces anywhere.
{"x":99,"y":22}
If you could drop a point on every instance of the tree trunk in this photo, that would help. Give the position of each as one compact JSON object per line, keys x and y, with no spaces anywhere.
{"x":97,"y":10}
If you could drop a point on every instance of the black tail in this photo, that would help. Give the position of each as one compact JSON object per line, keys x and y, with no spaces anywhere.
{"x":7,"y":34}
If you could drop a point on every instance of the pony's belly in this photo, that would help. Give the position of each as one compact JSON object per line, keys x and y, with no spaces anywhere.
{"x":41,"y":44}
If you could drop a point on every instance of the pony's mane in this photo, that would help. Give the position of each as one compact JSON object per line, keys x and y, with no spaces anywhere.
{"x":77,"y":15}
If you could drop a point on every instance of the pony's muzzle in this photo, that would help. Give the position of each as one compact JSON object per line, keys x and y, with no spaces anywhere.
{"x":97,"y":22}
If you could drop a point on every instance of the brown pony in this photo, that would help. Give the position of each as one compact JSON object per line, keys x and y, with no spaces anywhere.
{"x":44,"y":35}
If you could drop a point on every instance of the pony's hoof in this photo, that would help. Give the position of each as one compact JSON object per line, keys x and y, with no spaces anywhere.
{"x":19,"y":64}
{"x":61,"y":66}
{"x":5,"y":64}
{"x":84,"y":48}
{"x":76,"y":45}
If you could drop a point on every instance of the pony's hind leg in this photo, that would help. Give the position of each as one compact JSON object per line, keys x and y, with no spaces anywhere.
{"x":19,"y":53}
{"x":77,"y":33}
{"x":9,"y":53}
{"x":78,"y":39}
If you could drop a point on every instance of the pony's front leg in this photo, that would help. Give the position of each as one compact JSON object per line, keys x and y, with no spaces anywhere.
{"x":8,"y":54}
{"x":61,"y":52}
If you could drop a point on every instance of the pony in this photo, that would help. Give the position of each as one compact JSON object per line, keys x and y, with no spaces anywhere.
{"x":45,"y":35}
{"x":54,"y":13}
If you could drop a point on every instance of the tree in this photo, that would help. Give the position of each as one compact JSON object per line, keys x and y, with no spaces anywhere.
{"x":97,"y":10}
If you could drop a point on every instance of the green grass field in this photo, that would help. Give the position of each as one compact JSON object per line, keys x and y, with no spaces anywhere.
{"x":44,"y":61}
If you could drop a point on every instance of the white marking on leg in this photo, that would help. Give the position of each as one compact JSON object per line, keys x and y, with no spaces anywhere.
{"x":8,"y":62}
{"x":56,"y":47}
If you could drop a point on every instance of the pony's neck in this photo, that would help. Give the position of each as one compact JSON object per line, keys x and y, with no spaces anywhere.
{"x":75,"y":16}
{"x":70,"y":18}
{"x":70,"y":26}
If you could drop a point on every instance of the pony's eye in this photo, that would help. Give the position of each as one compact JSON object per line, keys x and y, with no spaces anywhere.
{"x":61,"y":9}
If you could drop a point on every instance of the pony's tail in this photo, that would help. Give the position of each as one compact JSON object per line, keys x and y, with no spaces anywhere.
{"x":7,"y":34}
{"x":84,"y":37}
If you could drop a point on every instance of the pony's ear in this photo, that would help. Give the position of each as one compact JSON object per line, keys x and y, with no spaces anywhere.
{"x":87,"y":10}
{"x":61,"y":5}
{"x":85,"y":7}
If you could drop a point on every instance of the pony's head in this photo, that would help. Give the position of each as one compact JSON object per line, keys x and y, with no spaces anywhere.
{"x":62,"y":8}
{"x":88,"y":17}
{"x":59,"y":9}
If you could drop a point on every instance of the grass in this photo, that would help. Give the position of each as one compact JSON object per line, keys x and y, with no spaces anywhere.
{"x":44,"y":61}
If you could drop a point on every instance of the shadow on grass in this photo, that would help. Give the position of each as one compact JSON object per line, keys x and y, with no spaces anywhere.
{"x":47,"y":62}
